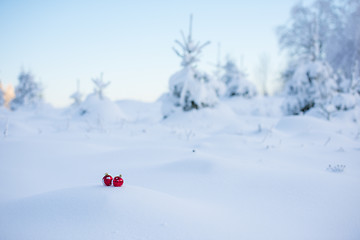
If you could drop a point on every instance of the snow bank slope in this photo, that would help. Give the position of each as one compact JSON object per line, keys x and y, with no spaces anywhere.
{"x":98,"y":212}
{"x":210,"y":174}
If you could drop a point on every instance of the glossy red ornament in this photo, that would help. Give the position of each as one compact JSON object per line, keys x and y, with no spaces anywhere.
{"x":118,"y":181}
{"x":107,"y":179}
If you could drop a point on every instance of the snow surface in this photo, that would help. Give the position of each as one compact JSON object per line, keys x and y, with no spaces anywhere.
{"x":238,"y":171}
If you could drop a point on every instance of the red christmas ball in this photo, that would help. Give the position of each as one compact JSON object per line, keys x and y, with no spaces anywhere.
{"x":118,"y":181}
{"x":107,"y":179}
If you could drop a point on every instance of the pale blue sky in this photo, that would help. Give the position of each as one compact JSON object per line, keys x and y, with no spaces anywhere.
{"x":130,"y":41}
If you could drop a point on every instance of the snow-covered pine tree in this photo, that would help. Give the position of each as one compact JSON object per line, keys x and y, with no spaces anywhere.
{"x":96,"y":107}
{"x":100,"y":85}
{"x":313,"y":84}
{"x":93,"y":100}
{"x":190,"y":88}
{"x":28,"y":92}
{"x":77,"y":96}
{"x":313,"y":80}
{"x":236,"y":82}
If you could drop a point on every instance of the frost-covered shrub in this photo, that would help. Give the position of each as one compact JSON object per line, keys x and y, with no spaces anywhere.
{"x":27,"y":93}
{"x":190,"y":88}
{"x":236,"y":82}
{"x":336,"y":169}
{"x":312,"y":84}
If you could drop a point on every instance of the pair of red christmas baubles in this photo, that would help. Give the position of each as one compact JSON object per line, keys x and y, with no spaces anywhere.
{"x":117,"y":181}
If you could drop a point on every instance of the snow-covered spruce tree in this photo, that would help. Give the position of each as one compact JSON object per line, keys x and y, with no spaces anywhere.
{"x":28,"y":93}
{"x":94,"y":100}
{"x":313,"y":80}
{"x":313,"y":84}
{"x":236,"y":82}
{"x":326,"y":31}
{"x":77,"y":96}
{"x":97,"y":108}
{"x":189,"y":87}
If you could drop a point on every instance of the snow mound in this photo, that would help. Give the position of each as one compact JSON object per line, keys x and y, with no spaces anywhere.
{"x":103,"y":110}
{"x":228,"y":172}
{"x":99,"y":212}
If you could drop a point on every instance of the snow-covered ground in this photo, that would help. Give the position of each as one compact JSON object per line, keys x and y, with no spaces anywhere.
{"x":238,"y":171}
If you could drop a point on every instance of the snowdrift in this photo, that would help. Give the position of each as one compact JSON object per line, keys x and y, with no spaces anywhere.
{"x":236,"y":171}
{"x":95,"y":109}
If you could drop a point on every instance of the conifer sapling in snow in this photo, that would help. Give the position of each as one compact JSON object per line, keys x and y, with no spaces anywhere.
{"x":236,"y":82}
{"x":190,"y":88}
{"x":27,"y":93}
{"x":313,"y":84}
{"x":96,"y":107}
